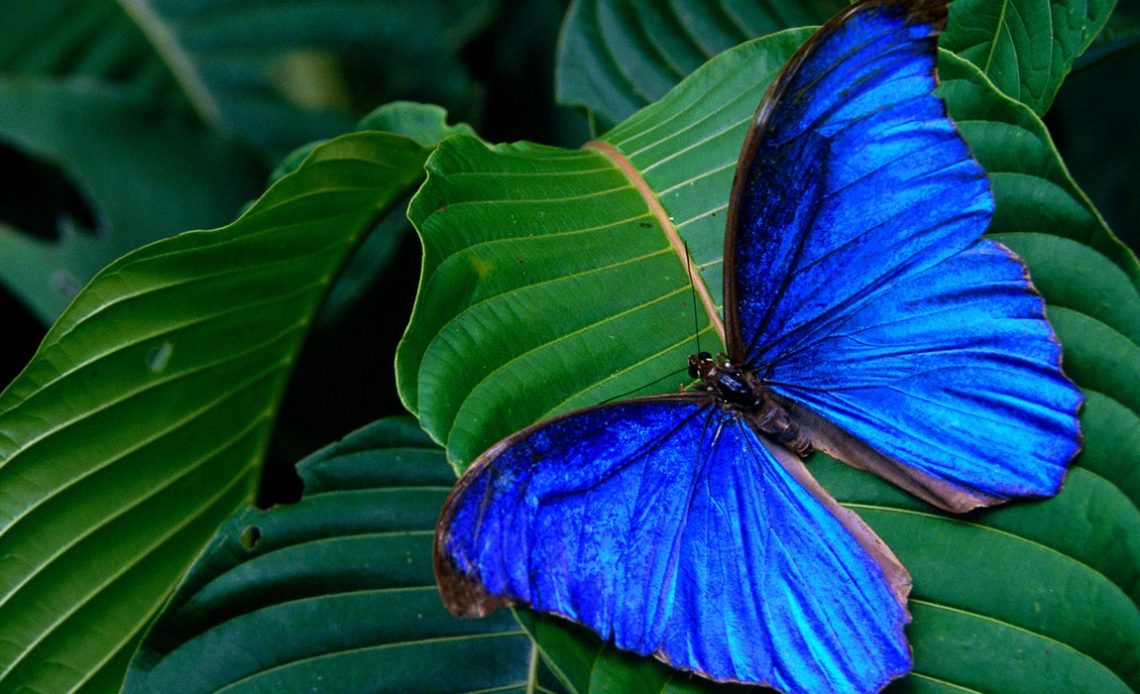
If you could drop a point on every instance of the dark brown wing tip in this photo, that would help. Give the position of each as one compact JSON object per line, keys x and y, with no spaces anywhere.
{"x":930,"y":12}
{"x":462,"y":595}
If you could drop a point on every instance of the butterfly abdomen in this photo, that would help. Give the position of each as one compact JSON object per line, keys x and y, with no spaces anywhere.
{"x":770,"y":418}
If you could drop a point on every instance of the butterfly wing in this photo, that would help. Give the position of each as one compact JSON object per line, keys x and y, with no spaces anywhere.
{"x":856,"y":286}
{"x":954,"y":371}
{"x":665,"y":525}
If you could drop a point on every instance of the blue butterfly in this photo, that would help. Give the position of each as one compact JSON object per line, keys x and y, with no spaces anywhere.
{"x":864,"y":318}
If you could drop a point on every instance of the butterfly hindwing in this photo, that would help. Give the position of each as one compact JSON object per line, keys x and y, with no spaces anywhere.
{"x":667,"y":526}
{"x":953,"y":371}
{"x":857,"y":287}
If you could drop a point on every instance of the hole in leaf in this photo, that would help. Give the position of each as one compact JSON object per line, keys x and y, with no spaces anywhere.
{"x":250,"y":537}
{"x":39,"y":197}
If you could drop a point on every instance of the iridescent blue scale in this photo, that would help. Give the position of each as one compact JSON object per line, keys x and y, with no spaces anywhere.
{"x":869,"y":321}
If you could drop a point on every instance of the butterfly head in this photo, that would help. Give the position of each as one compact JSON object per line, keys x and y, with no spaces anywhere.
{"x":701,"y":365}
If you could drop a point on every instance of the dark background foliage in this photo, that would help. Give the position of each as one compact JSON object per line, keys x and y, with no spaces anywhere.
{"x":490,"y":64}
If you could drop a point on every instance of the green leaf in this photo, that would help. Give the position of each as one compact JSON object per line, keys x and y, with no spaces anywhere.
{"x":1025,"y":47}
{"x":424,"y":123}
{"x":139,"y":424}
{"x":545,"y":266}
{"x":617,"y":56}
{"x":334,"y":593}
{"x":283,"y":73}
{"x":427,"y":125}
{"x":145,"y":174}
{"x":549,"y":282}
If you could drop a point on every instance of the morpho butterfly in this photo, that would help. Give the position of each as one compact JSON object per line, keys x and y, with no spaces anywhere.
{"x":864,"y":318}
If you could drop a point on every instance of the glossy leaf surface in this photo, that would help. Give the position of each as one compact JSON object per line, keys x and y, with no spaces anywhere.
{"x":1026,"y":48}
{"x":334,"y":593}
{"x":139,"y":424}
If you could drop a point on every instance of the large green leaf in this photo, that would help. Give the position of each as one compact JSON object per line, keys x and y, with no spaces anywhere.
{"x":139,"y":424}
{"x":1026,"y":47}
{"x":427,"y":125}
{"x":617,"y":56}
{"x":100,"y":136}
{"x":335,"y":593}
{"x":550,"y":282}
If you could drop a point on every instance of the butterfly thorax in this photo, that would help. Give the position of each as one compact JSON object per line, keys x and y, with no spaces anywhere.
{"x":739,"y":389}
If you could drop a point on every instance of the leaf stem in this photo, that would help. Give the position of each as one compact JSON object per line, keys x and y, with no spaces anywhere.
{"x":176,"y":58}
{"x":667,"y":227}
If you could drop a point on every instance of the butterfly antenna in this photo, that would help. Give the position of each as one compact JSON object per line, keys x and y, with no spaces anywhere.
{"x":696,"y":333}
{"x":693,"y":291}
{"x":622,"y":396}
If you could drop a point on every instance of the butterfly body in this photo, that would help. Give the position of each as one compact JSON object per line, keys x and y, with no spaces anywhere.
{"x":865,"y":318}
{"x":741,"y":390}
